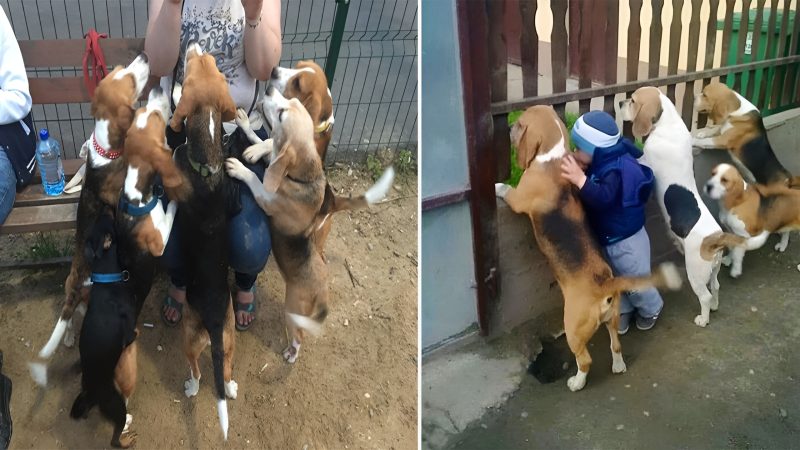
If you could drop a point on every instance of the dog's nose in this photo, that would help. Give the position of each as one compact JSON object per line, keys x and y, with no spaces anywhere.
{"x":144,"y":57}
{"x":708,"y":188}
{"x":274,"y":74}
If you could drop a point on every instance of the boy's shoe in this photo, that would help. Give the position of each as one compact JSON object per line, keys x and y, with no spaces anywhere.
{"x":645,"y":323}
{"x":624,"y":323}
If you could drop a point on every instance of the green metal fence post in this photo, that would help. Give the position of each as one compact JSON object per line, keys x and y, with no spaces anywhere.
{"x":336,"y":39}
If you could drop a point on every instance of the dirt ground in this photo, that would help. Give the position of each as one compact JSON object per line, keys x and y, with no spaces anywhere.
{"x":353,"y":387}
{"x":733,"y":384}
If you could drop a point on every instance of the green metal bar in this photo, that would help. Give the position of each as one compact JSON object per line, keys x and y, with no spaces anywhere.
{"x":342,"y":6}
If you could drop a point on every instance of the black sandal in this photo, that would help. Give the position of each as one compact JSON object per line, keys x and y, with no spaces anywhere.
{"x":170,"y":302}
{"x":249,"y":308}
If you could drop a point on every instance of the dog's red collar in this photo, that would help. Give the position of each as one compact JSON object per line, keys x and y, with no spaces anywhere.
{"x":109,"y":154}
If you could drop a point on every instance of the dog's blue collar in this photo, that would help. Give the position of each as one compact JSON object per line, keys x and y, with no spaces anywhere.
{"x":110,"y":277}
{"x":136,"y":211}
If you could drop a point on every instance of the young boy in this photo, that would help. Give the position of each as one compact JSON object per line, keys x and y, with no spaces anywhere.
{"x":614,"y":191}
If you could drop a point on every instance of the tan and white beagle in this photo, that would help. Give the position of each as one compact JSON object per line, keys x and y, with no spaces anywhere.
{"x":737,"y":127}
{"x":591,"y":292}
{"x":753,"y":211}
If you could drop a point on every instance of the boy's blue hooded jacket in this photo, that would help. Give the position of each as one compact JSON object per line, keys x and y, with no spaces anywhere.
{"x":616,"y":190}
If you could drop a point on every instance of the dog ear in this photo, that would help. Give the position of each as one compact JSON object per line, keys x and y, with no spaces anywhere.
{"x":723,"y":105}
{"x":278,"y":168}
{"x":119,"y":126}
{"x":527,"y":146}
{"x":645,"y":115}
{"x":227,"y":108}
{"x":182,"y":111}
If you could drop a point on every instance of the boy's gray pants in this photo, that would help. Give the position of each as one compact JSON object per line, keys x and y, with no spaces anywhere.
{"x":631,"y":257}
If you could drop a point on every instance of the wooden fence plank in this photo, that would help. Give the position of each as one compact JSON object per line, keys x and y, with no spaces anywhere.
{"x":558,"y":50}
{"x":780,"y":72}
{"x":656,"y":30}
{"x":711,"y":46}
{"x":612,"y":33}
{"x":675,"y":29}
{"x":69,"y":52}
{"x":687,"y":110}
{"x":634,"y":41}
{"x":790,"y":83}
{"x":744,"y":27}
{"x":58,"y":90}
{"x":768,"y":76}
{"x":498,"y":63}
{"x":586,"y":14}
{"x":529,"y":48}
{"x":40,"y":218}
{"x":727,"y":30}
{"x":751,"y":82}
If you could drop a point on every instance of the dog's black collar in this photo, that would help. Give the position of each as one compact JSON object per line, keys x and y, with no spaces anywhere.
{"x":105,"y":278}
{"x":204,"y":170}
{"x":137,"y":211}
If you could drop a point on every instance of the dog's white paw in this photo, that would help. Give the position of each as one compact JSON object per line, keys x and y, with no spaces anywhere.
{"x":736,"y":272}
{"x":128,"y":421}
{"x":192,"y":386}
{"x":726,"y":260}
{"x":235,"y":169}
{"x":231,"y":389}
{"x":501,"y":189}
{"x":290,"y":354}
{"x":703,"y":133}
{"x":69,"y":337}
{"x":618,"y":366}
{"x":781,"y":247}
{"x":701,"y":321}
{"x":242,"y":120}
{"x":576,"y":382}
{"x":256,"y":152}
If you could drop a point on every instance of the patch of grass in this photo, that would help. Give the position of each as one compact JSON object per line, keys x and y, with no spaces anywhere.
{"x":374,"y":166}
{"x":404,"y":162}
{"x":516,"y":170}
{"x":46,"y":246}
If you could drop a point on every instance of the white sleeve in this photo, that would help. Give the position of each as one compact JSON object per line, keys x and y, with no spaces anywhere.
{"x":15,"y":98}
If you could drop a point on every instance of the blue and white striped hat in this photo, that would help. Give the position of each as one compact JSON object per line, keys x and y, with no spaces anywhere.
{"x":595,"y":129}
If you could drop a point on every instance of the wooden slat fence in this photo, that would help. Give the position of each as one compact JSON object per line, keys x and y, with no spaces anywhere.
{"x":776,"y":68}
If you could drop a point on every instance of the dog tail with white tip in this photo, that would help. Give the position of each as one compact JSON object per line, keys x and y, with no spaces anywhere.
{"x":373,"y":195}
{"x":311,"y":324}
{"x":38,"y":370}
{"x":667,"y":276}
{"x":718,"y":241}
{"x":217,"y":361}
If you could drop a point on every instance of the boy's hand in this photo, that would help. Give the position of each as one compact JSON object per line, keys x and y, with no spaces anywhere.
{"x":572,"y":172}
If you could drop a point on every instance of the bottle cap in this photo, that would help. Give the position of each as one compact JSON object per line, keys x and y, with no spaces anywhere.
{"x":44,"y":134}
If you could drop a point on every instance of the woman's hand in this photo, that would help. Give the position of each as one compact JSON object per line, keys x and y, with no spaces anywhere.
{"x":572,"y":172}
{"x":252,"y":9}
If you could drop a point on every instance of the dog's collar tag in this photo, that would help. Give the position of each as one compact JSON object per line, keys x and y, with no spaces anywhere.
{"x":110,"y":277}
{"x":108,"y":154}
{"x":203,"y":169}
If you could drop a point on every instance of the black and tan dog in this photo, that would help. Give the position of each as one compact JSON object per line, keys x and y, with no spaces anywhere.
{"x":108,"y":335}
{"x":591,"y":292}
{"x":738,"y":127}
{"x":205,"y":103}
{"x":293,"y":194}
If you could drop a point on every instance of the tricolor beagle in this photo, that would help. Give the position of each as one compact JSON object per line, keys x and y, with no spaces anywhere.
{"x":753,"y":211}
{"x":591,"y":292}
{"x":293,"y":195}
{"x":205,"y":103}
{"x":668,"y":152}
{"x":737,"y":127}
{"x":113,"y":110}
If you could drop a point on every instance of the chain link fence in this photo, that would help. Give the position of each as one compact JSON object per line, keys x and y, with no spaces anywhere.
{"x":374,"y":87}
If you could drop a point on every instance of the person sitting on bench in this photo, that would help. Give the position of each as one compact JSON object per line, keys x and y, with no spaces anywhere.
{"x":17,"y":136}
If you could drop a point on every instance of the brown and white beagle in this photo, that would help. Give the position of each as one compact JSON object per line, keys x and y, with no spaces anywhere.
{"x":591,"y":292}
{"x":293,"y":194}
{"x":738,"y":128}
{"x":113,"y":111}
{"x":753,"y":211}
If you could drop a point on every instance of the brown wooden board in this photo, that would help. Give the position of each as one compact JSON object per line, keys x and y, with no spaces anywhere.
{"x":634,"y":40}
{"x":727,"y":30}
{"x":751,"y":82}
{"x":780,"y":72}
{"x":711,"y":45}
{"x":790,"y":84}
{"x":656,"y":30}
{"x":687,"y":110}
{"x":498,"y":61}
{"x":586,"y":14}
{"x":40,"y":218}
{"x":612,"y":33}
{"x":58,"y":90}
{"x":769,"y":74}
{"x":558,"y":51}
{"x":529,"y":48}
{"x":69,"y":52}
{"x":741,"y":43}
{"x":674,"y":44}
{"x":34,"y":195}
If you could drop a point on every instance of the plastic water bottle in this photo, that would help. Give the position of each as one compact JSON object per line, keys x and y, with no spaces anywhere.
{"x":48,"y":156}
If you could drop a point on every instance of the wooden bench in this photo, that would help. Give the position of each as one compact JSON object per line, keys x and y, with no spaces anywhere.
{"x":33,"y":210}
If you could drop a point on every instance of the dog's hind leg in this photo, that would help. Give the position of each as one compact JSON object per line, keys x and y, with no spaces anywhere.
{"x":698,"y":279}
{"x":113,"y":407}
{"x":294,"y":338}
{"x":617,"y":364}
{"x":784,"y":242}
{"x":229,"y":347}
{"x":713,"y":284}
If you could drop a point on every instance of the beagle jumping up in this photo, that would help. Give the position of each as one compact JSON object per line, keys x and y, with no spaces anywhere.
{"x":753,"y":211}
{"x":738,"y":128}
{"x":591,"y":292}
{"x":293,"y":195}
{"x":113,"y":110}
{"x":668,"y":152}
